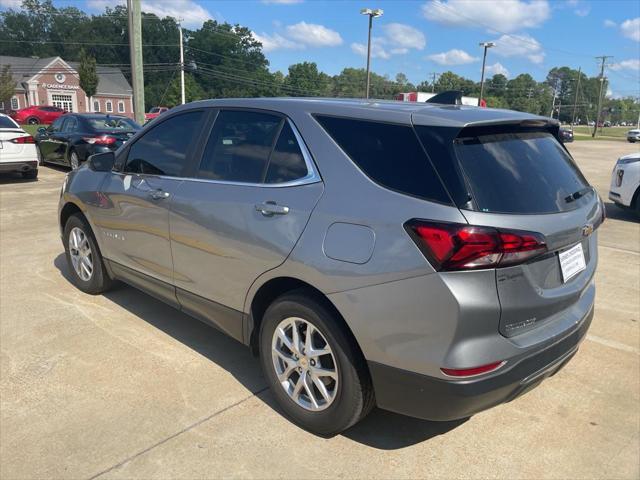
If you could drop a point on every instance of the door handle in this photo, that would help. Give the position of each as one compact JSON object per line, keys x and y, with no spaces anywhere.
{"x":159,"y":194}
{"x":269,"y":209}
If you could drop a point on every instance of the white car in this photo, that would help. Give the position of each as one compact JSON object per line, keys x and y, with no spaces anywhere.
{"x":625,"y":182}
{"x":633,"y":135}
{"x":18,"y":152}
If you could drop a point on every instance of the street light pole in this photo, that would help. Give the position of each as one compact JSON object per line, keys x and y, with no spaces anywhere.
{"x":486,"y":45}
{"x":371,"y":14}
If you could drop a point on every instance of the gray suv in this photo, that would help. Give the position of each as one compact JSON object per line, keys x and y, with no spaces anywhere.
{"x":432,"y":260}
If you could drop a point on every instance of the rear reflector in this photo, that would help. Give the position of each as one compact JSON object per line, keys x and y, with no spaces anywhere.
{"x":470,"y":372}
{"x":453,"y":246}
{"x":101,"y":140}
{"x":23,"y":140}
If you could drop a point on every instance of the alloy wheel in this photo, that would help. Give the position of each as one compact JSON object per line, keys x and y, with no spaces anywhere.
{"x":304,"y":364}
{"x":75,"y":163}
{"x":80,"y":253}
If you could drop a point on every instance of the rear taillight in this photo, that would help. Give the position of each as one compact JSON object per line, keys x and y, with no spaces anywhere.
{"x":23,"y":140}
{"x":101,"y":140}
{"x":470,"y":372}
{"x":453,"y":246}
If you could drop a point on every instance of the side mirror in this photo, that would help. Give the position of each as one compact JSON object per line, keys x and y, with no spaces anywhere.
{"x":102,"y":162}
{"x":42,"y":131}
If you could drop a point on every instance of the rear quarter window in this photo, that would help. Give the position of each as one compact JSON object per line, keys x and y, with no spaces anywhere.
{"x":389,"y":154}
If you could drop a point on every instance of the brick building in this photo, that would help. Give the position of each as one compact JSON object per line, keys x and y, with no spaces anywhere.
{"x":52,"y":81}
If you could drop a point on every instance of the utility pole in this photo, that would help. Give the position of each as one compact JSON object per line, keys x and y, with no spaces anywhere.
{"x":433,"y":81}
{"x":135,"y":51}
{"x":486,"y":46}
{"x":371,"y":14}
{"x":575,"y":99}
{"x":181,"y":65}
{"x":529,"y":95}
{"x":604,"y":59}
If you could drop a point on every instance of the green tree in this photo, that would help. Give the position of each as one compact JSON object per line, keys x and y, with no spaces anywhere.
{"x":192,"y":91}
{"x":304,"y":79}
{"x":88,"y":75}
{"x":7,"y":85}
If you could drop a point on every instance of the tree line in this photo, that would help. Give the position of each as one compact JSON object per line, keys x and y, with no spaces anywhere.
{"x":225,"y":60}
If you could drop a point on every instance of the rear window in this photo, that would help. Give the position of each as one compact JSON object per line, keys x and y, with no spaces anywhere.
{"x":6,"y":122}
{"x":109,"y":124}
{"x":519,"y":172}
{"x":389,"y":154}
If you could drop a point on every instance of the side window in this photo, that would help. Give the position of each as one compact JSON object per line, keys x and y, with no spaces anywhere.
{"x":163,"y":149}
{"x":71,"y":125}
{"x":286,"y":163}
{"x":239,"y":146}
{"x":56,"y":126}
{"x":389,"y":154}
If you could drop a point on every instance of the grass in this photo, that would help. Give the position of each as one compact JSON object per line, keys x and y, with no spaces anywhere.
{"x":583,"y":132}
{"x":32,"y":129}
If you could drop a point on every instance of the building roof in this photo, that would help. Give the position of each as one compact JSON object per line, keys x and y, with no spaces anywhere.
{"x":110,"y":80}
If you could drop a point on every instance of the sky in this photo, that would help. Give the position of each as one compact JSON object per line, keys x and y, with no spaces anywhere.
{"x":418,"y":38}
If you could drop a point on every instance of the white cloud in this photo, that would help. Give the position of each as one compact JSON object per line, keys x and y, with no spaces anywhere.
{"x":191,"y":13}
{"x":452,"y":57}
{"x":505,"y":16}
{"x":522,"y":45}
{"x":396,"y":39}
{"x":15,"y":4}
{"x":631,"y":28}
{"x":404,"y":36}
{"x":275,"y":42}
{"x":495,"y":69}
{"x":582,"y":11}
{"x":313,"y":35}
{"x":610,"y":23}
{"x":631,"y":64}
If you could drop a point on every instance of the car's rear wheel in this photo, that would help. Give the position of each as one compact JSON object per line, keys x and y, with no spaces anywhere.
{"x":33,"y":121}
{"x":315,"y":370}
{"x":86,"y":266}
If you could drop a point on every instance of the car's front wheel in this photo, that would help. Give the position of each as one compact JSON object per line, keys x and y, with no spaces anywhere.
{"x":74,"y":160}
{"x":84,"y":260}
{"x":314,"y":368}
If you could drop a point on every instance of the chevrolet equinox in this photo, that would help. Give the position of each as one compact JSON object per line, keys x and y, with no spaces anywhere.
{"x":433,"y":260}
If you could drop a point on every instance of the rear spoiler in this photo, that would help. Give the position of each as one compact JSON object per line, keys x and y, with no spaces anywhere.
{"x":450,"y":97}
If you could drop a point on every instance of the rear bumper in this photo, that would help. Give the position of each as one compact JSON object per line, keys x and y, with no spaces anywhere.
{"x":23,"y":166}
{"x":433,"y":398}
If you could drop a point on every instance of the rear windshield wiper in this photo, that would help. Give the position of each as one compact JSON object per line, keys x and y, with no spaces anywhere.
{"x":577,"y":195}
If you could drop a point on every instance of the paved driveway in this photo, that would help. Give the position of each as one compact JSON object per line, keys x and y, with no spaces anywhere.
{"x":122,"y":386}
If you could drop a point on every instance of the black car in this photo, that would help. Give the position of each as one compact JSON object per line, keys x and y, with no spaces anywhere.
{"x":73,"y":137}
{"x":566,"y":135}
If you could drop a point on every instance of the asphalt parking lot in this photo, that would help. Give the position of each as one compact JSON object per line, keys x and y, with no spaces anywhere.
{"x":121,"y":386}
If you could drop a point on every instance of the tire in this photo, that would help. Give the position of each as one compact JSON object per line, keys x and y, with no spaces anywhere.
{"x":33,"y":121}
{"x":74,"y":160}
{"x":98,"y":281}
{"x":30,"y":174}
{"x":351,"y":385}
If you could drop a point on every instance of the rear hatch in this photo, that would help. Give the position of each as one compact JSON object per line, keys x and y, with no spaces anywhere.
{"x":516,"y":176}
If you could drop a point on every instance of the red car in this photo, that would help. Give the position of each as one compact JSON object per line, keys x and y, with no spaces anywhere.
{"x":40,"y":114}
{"x":154,"y":112}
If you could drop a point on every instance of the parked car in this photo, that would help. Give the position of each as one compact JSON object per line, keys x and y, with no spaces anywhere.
{"x":566,"y":135}
{"x":17,"y":149}
{"x":429,"y":260}
{"x":39,"y":114}
{"x":633,"y":135}
{"x":625,"y":182}
{"x":154,"y":113}
{"x":71,"y":139}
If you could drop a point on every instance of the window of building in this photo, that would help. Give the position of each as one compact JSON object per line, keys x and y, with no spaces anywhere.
{"x":163,"y":149}
{"x":62,"y":101}
{"x":120,"y":107}
{"x":1,"y":105}
{"x":109,"y":105}
{"x":15,"y":103}
{"x":96,"y":105}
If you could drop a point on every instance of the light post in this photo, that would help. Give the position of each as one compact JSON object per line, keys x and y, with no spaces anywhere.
{"x":371,"y":14}
{"x":486,"y":45}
